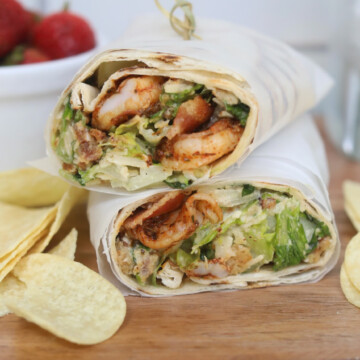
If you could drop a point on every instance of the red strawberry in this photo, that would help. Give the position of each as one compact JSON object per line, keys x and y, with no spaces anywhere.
{"x":14,"y":21}
{"x":63,"y":34}
{"x":34,"y":19}
{"x":23,"y":55}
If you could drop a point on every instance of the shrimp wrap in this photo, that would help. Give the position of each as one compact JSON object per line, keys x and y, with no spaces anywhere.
{"x":254,"y":227}
{"x":175,"y":113}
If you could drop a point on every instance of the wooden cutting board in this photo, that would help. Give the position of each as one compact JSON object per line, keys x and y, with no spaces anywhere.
{"x":312,"y":321}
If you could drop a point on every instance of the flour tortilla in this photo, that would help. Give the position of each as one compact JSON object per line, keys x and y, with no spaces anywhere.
{"x":262,"y":278}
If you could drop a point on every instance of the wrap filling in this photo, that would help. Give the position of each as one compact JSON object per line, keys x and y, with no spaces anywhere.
{"x":214,"y":234}
{"x":144,"y":130}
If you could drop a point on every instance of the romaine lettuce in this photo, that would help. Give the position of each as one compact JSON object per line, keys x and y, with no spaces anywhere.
{"x":240,"y":111}
{"x":260,"y":240}
{"x":290,"y":239}
{"x":178,"y":181}
{"x":247,"y":190}
{"x":172,"y":101}
{"x":184,"y":259}
{"x":65,"y":144}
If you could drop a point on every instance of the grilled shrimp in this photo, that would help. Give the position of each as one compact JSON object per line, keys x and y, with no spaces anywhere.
{"x":191,"y":151}
{"x":191,"y":115}
{"x":133,"y":97}
{"x":161,"y":230}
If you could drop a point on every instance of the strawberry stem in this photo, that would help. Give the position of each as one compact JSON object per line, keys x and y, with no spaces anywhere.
{"x":66,"y":6}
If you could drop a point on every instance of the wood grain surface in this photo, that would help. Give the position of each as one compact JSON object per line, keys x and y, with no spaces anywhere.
{"x":312,"y":321}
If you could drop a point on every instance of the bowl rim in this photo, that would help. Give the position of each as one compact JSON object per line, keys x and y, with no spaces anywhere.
{"x":9,"y":70}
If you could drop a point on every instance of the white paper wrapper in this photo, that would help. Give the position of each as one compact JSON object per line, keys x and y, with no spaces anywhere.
{"x":284,"y":82}
{"x":294,"y":157}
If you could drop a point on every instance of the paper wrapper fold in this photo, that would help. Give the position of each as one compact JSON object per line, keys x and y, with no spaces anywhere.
{"x":277,"y":82}
{"x":295,"y":157}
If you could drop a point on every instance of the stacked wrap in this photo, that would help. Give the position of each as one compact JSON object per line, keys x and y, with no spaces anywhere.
{"x":272,"y":86}
{"x":276,"y":83}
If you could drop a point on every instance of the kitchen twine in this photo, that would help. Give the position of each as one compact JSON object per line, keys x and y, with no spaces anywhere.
{"x":185,"y":28}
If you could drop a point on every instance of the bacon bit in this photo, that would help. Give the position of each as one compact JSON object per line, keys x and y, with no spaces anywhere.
{"x":97,"y":134}
{"x":89,"y":151}
{"x":69,"y":168}
{"x":268,"y":203}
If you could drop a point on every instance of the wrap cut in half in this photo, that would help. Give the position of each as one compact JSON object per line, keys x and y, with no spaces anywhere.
{"x":266,"y":222}
{"x":223,"y":236}
{"x":175,"y":115}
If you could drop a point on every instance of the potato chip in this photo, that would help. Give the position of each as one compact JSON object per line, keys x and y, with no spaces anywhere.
{"x":352,"y":262}
{"x":67,"y":246}
{"x":67,"y":202}
{"x":65,"y":298}
{"x":20,"y":229}
{"x":18,"y":223}
{"x":349,"y":290}
{"x":351,"y":191}
{"x":351,"y":213}
{"x":3,"y":309}
{"x":8,"y":284}
{"x":10,"y":261}
{"x":30,"y":187}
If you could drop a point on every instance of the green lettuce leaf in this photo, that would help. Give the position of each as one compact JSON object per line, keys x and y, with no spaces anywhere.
{"x":240,"y":111}
{"x":184,"y":259}
{"x":178,"y":181}
{"x":208,"y":232}
{"x":247,"y":190}
{"x":260,"y":240}
{"x":172,"y":101}
{"x":290,"y":239}
{"x":65,"y":145}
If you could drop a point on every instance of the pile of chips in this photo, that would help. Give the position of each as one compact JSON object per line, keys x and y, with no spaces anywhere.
{"x":50,"y":289}
{"x":350,"y":269}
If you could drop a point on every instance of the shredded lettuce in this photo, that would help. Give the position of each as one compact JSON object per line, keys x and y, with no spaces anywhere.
{"x":208,"y":232}
{"x":260,"y":240}
{"x":208,"y":252}
{"x":89,"y":174}
{"x":172,"y":101}
{"x":178,"y":181}
{"x":67,"y":115}
{"x":184,"y":259}
{"x":232,"y":197}
{"x":247,"y":190}
{"x":240,"y":111}
{"x":140,"y":126}
{"x":204,"y":235}
{"x":314,"y":230}
{"x":290,"y":239}
{"x":154,"y":274}
{"x":130,"y":145}
{"x":79,"y":116}
{"x":66,"y":141}
{"x":71,"y":177}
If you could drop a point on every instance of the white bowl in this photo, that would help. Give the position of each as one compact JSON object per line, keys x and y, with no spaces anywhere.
{"x":28,"y":93}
